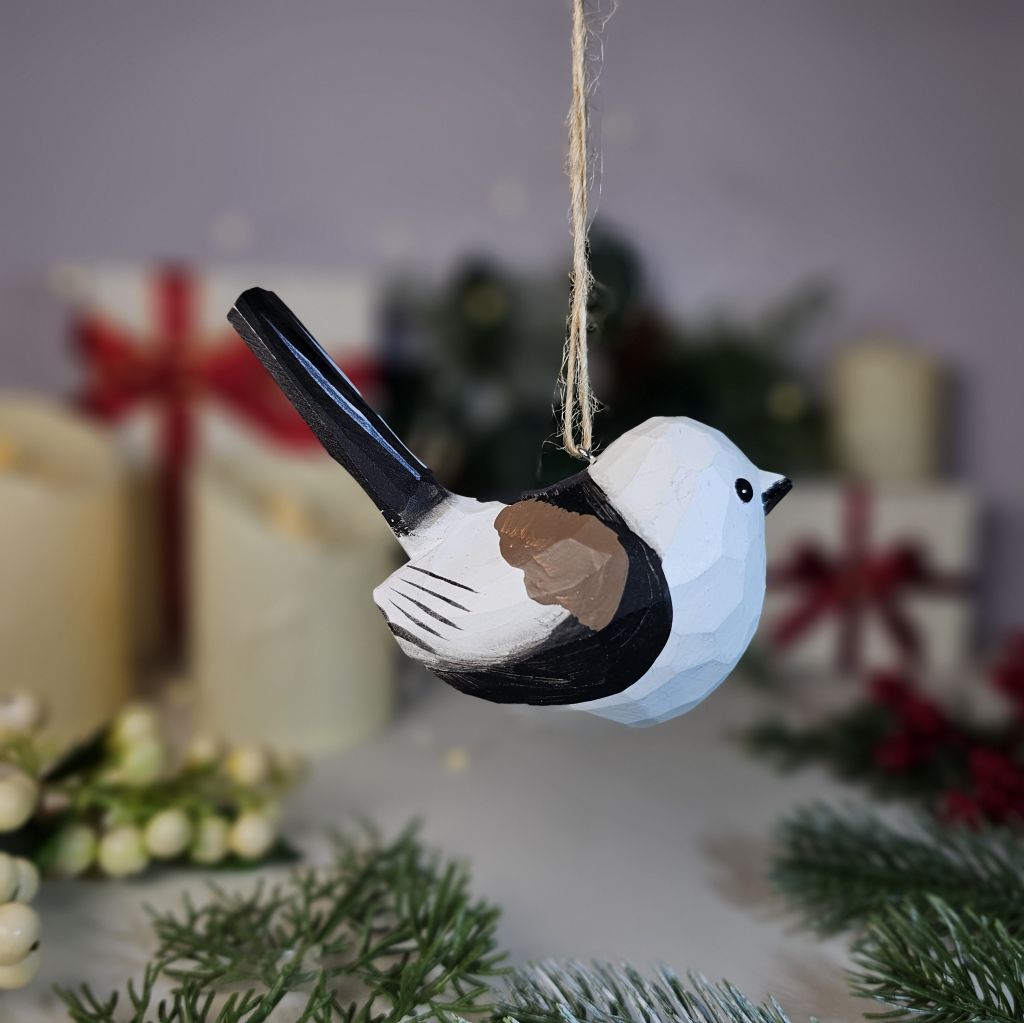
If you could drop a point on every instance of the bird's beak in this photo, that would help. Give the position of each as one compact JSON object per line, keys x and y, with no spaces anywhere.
{"x":773,"y":489}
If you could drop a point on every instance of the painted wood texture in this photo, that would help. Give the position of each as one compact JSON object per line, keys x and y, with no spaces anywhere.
{"x":629,"y":590}
{"x":572,"y":560}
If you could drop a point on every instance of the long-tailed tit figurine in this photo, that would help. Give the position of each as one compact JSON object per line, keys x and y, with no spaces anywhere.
{"x":629,"y":590}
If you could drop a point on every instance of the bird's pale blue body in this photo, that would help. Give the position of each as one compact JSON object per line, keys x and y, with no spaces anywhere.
{"x":674,"y":482}
{"x":629,"y":590}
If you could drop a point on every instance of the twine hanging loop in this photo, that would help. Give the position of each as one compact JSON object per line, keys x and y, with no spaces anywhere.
{"x":578,"y":400}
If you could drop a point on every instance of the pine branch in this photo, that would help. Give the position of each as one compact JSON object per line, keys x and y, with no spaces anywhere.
{"x":938,"y":966}
{"x":839,"y":868}
{"x":602,"y":993}
{"x":387,"y":933}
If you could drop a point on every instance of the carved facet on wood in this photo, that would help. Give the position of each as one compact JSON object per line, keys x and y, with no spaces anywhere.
{"x":629,"y":590}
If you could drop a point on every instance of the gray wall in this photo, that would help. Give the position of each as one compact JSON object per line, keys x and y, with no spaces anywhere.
{"x":747,"y":145}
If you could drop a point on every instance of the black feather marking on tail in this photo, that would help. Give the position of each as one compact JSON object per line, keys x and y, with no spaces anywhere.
{"x":355,"y":436}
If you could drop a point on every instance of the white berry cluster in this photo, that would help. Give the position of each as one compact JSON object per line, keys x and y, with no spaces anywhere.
{"x":126,"y":849}
{"x":20,"y":716}
{"x":215,"y":804}
{"x":19,"y":922}
{"x":117,"y":804}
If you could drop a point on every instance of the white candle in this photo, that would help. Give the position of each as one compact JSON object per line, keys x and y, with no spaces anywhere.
{"x":887,"y":400}
{"x":63,"y":605}
{"x":287,"y":646}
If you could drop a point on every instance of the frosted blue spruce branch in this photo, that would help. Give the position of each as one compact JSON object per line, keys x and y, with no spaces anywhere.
{"x":606,"y":993}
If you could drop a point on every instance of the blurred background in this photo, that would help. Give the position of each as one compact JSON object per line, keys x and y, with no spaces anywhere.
{"x":810,"y":233}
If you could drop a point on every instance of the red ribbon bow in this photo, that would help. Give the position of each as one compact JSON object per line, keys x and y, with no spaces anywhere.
{"x":175,"y":369}
{"x":855,"y":583}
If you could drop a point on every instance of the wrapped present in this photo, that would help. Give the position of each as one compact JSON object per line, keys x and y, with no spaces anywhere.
{"x":863,"y":577}
{"x":161,"y":363}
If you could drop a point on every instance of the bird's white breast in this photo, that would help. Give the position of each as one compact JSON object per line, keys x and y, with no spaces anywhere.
{"x":713,"y":557}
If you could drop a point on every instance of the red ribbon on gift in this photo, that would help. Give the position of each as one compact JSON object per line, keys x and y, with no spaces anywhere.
{"x":856,"y":583}
{"x":175,"y":369}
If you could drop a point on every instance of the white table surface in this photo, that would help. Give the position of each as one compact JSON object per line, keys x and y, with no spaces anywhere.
{"x":597,"y":840}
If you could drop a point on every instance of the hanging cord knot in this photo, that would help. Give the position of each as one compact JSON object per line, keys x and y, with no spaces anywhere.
{"x":578,"y":402}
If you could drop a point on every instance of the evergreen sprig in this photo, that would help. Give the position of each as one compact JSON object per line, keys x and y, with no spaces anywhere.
{"x":386,"y":933}
{"x":935,"y":965}
{"x":603,"y":993}
{"x":839,"y":868}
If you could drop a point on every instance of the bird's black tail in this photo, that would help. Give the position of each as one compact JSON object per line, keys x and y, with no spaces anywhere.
{"x":354,"y":435}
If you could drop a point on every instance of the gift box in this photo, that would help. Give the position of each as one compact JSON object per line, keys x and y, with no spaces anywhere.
{"x":863,"y":577}
{"x":161,"y":365}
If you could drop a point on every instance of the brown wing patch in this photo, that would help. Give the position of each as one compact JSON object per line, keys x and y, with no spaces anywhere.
{"x":572,"y":560}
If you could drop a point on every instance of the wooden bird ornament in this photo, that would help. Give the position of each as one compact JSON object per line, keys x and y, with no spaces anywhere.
{"x":629,"y":590}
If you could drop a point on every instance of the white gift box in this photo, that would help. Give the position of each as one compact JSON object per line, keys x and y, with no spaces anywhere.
{"x":862,"y":538}
{"x":148,"y":309}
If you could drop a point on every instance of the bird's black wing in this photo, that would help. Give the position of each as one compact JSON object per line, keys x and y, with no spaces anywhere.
{"x":578,"y":662}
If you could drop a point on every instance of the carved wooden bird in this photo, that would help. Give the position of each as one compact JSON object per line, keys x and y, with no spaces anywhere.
{"x":629,"y":590}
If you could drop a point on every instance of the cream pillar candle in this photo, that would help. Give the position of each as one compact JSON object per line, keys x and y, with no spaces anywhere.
{"x":287,"y":646}
{"x":63,"y":605}
{"x":887,"y":401}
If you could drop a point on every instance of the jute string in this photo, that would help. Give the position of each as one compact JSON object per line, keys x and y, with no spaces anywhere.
{"x":577,"y":397}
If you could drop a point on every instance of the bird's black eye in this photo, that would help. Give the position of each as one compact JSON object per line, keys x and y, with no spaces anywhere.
{"x":745,"y":490}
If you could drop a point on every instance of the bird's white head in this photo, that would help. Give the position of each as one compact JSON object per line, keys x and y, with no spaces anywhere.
{"x":676,"y":481}
{"x":700,"y":503}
